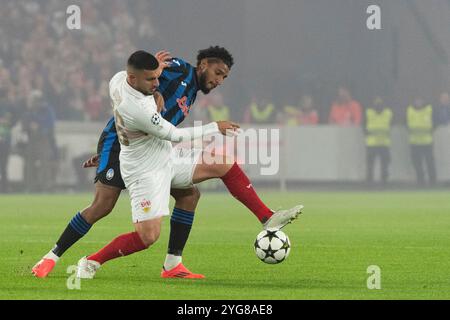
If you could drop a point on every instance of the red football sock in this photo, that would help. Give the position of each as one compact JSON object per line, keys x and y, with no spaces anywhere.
{"x":241,"y":188}
{"x":121,"y":246}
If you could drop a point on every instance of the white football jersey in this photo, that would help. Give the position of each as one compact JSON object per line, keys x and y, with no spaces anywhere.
{"x":145,"y":136}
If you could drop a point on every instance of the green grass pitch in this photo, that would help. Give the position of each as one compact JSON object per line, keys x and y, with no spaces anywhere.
{"x":406,"y":234}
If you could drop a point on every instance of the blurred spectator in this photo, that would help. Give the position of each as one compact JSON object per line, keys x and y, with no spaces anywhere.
{"x":441,"y":114}
{"x":41,"y":53}
{"x":6,"y":124}
{"x":217,"y":110}
{"x":93,"y":106}
{"x":378,"y":122}
{"x":302,"y":115}
{"x":308,"y":113}
{"x":420,"y":125}
{"x":40,"y":150}
{"x":290,"y":116}
{"x":260,"y":112}
{"x":199,"y":111}
{"x":345,"y":111}
{"x":84,"y":177}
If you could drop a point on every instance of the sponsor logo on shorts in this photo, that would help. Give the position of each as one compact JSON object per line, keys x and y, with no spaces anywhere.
{"x":110,"y":174}
{"x":146,"y":205}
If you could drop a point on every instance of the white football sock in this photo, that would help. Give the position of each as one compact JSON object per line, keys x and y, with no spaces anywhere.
{"x":51,"y":255}
{"x":171,"y":261}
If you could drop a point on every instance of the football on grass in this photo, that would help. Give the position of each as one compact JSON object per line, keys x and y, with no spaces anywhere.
{"x":272,"y":246}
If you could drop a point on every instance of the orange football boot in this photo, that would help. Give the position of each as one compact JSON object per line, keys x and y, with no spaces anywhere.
{"x":43,"y":268}
{"x":180,"y":271}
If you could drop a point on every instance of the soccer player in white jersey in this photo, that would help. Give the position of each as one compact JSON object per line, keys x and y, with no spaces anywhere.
{"x":179,"y":84}
{"x":146,"y":158}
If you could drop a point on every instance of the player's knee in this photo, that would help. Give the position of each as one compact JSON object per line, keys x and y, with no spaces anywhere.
{"x":186,"y":199}
{"x":195,"y":197}
{"x":98,"y":210}
{"x":103,"y":208}
{"x":224,"y":167}
{"x":93,"y":213}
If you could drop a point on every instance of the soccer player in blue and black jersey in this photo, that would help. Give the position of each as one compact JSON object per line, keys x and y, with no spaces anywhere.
{"x":179,"y":85}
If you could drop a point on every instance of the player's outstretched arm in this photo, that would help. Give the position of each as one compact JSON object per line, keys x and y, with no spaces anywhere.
{"x":225,"y":127}
{"x":166,"y":131}
{"x":153,"y":123}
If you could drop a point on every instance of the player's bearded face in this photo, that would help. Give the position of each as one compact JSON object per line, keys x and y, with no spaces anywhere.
{"x":212,"y":75}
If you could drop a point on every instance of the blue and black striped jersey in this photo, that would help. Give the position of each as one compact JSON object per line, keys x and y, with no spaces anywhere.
{"x":178,"y":85}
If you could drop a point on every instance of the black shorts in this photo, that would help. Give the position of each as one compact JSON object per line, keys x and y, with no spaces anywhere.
{"x":111,"y":176}
{"x":108,"y":171}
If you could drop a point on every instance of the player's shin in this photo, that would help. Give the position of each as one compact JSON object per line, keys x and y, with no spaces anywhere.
{"x":242,"y":189}
{"x":180,"y":227}
{"x":121,"y":246}
{"x":75,"y":230}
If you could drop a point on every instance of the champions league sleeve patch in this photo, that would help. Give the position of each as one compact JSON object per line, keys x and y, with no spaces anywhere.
{"x":156,"y":119}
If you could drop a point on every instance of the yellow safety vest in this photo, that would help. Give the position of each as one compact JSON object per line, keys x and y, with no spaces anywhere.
{"x":292,"y":116}
{"x":378,"y":125}
{"x":221,"y":113}
{"x":261,"y":115}
{"x":420,"y":125}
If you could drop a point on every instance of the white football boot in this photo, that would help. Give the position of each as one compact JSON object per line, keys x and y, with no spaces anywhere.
{"x":281,"y":218}
{"x":86,"y":269}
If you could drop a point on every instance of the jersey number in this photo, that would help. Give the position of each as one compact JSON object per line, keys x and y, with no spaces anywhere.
{"x":120,"y":128}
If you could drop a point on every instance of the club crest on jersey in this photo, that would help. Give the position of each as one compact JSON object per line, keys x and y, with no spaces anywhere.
{"x":156,"y":119}
{"x":110,"y":174}
{"x":146,"y":205}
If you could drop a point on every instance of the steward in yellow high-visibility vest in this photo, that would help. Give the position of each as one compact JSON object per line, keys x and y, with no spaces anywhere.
{"x":378,"y":127}
{"x":292,"y":114}
{"x":378,"y":139}
{"x":419,"y":118}
{"x":261,"y":115}
{"x":219,"y":113}
{"x":420,"y":125}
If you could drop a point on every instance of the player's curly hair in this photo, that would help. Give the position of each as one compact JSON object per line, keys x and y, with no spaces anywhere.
{"x":216,"y":52}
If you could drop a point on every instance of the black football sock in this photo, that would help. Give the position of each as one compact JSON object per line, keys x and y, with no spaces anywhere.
{"x":76,"y":229}
{"x":180,"y":227}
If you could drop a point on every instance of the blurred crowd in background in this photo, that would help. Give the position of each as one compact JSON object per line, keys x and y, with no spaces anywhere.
{"x":49,"y":74}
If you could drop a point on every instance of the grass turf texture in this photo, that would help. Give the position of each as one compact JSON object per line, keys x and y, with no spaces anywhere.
{"x":339,"y":235}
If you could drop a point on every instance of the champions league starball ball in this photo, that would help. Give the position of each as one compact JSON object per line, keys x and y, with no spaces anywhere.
{"x":272,"y":246}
